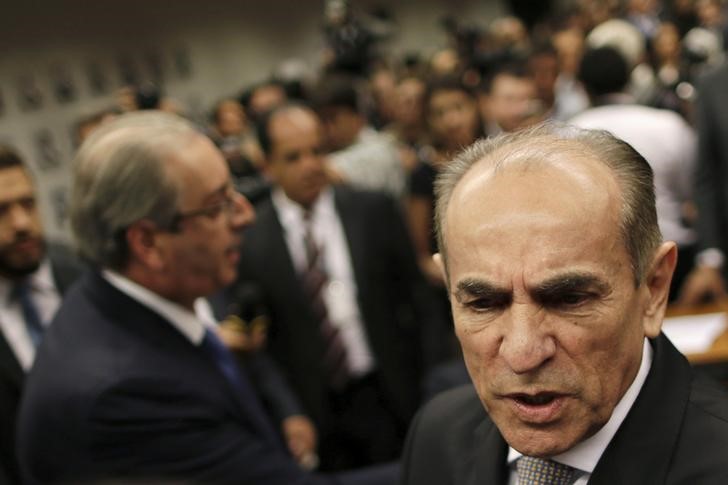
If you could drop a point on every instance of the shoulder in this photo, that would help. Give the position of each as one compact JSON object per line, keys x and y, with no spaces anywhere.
{"x":445,"y":438}
{"x":708,"y":404}
{"x":448,"y":420}
{"x":701,"y":453}
{"x":266,"y":218}
{"x":456,"y":407}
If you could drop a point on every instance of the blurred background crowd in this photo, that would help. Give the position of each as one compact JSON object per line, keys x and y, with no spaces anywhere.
{"x":391,"y":121}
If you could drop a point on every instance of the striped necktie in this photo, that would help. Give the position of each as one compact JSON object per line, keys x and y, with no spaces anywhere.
{"x":314,"y":283}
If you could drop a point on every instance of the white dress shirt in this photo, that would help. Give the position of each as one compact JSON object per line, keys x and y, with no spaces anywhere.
{"x":585,"y":455}
{"x":191,"y":325}
{"x":340,"y":292}
{"x":46,"y":298}
{"x":668,"y":144}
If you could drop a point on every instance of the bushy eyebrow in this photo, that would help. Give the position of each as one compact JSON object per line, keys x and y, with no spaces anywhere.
{"x":482,"y":289}
{"x":566,"y":283}
{"x":546,"y":291}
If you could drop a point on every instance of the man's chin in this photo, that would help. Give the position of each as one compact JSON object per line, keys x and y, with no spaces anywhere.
{"x":19,"y":265}
{"x":19,"y":270}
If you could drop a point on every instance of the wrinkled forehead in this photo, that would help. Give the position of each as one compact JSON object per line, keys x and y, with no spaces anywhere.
{"x":535,"y":180}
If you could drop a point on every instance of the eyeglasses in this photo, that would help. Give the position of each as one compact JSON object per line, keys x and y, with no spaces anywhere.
{"x":226,"y":206}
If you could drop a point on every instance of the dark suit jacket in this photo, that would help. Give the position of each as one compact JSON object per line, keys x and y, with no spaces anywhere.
{"x":675,"y":433}
{"x":390,"y":296}
{"x":711,"y":177}
{"x":117,"y":392}
{"x":65,"y":268}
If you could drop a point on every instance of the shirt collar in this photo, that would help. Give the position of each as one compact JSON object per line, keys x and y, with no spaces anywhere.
{"x":586,"y":454}
{"x":291,"y":212}
{"x":191,"y":325}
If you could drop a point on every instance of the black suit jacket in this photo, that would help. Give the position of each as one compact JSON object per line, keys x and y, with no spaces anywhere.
{"x":391,"y":298}
{"x":65,"y":268}
{"x":117,"y":392}
{"x":675,"y":433}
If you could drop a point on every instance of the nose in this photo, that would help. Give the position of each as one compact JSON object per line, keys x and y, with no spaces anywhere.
{"x":19,"y":217}
{"x":312,"y":161}
{"x":243,"y":212}
{"x":525,"y":346}
{"x":452,"y":118}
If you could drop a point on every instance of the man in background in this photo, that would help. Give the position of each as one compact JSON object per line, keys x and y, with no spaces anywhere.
{"x":132,"y":382}
{"x":663,"y":137}
{"x":347,"y":304}
{"x":358,"y":154}
{"x":33,"y":275}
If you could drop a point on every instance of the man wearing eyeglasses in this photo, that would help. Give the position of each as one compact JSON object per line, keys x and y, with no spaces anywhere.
{"x":132,"y":383}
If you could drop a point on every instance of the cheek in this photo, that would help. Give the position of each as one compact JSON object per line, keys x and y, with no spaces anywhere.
{"x":480,"y":349}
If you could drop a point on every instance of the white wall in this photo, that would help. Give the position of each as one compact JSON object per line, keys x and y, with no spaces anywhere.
{"x":229,"y":44}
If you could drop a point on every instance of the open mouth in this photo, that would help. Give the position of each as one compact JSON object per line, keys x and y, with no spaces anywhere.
{"x":535,"y":400}
{"x":542,"y":407}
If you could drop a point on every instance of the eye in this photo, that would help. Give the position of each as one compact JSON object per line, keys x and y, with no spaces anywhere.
{"x":292,"y":157}
{"x":27,"y":203}
{"x":482,"y":305}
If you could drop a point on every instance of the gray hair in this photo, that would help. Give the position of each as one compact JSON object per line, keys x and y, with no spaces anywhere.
{"x":550,"y":142}
{"x":120,"y":176}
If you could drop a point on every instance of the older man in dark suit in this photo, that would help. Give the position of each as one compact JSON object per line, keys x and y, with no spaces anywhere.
{"x":558,"y":280}
{"x":339,"y":276}
{"x":33,"y":275}
{"x":131,"y":382}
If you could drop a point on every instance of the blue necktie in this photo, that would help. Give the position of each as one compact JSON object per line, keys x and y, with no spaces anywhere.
{"x":21,"y":291}
{"x":226,"y":363}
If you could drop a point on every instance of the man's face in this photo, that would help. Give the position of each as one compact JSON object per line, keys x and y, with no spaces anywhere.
{"x":545,"y":70}
{"x":201,"y":255}
{"x":21,"y":236}
{"x":453,"y":118}
{"x":410,"y":96}
{"x":513,"y":102}
{"x":543,"y":299}
{"x":296,"y":162}
{"x":341,"y":127}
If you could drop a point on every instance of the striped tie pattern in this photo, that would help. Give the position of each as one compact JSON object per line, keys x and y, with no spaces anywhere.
{"x":314,"y":282}
{"x":539,"y":471}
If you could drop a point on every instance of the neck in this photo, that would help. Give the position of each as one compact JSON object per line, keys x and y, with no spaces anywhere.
{"x":160,"y":285}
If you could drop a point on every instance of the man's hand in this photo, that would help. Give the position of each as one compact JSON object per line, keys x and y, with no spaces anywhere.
{"x":704,"y":283}
{"x":301,"y":439}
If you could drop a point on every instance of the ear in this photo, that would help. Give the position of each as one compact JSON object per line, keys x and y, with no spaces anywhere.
{"x":657,"y":287}
{"x":142,"y":239}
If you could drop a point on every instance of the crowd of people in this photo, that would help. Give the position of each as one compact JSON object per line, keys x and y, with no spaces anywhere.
{"x":292,"y":240}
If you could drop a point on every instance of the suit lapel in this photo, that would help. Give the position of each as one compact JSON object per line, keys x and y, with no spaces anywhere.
{"x":641,"y":450}
{"x":489,"y":459}
{"x":9,"y":364}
